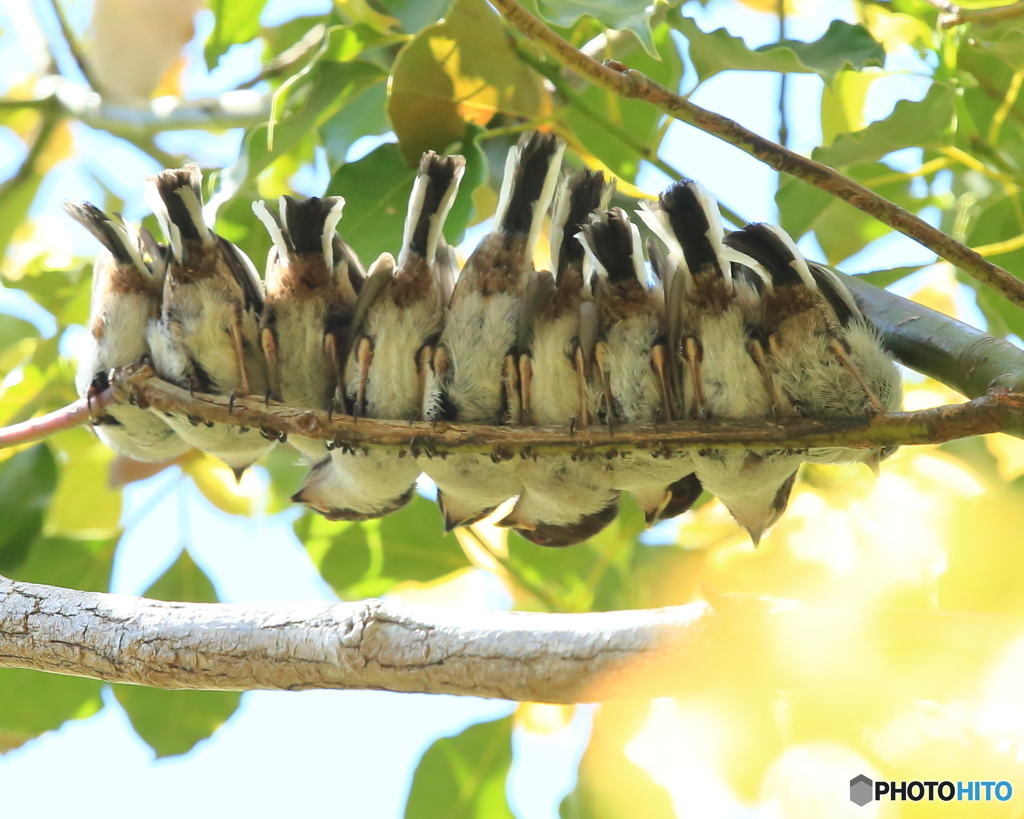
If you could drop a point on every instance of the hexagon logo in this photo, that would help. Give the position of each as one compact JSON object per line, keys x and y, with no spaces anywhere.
{"x":861,"y":790}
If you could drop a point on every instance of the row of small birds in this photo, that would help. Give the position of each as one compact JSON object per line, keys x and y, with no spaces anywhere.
{"x":730,"y":326}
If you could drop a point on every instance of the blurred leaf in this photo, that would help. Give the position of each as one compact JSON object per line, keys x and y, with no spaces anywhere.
{"x":80,"y":564}
{"x":416,"y":14}
{"x":16,"y":197}
{"x":172,"y":722}
{"x":638,"y":118}
{"x":609,"y":784}
{"x":842,"y":104}
{"x":911,"y":124}
{"x":63,"y":293}
{"x":361,"y":11}
{"x":841,"y":229}
{"x":183,"y":582}
{"x":462,"y":70}
{"x":235,"y":21}
{"x":363,"y":116}
{"x":340,"y":551}
{"x":475,"y":177}
{"x":843,"y":47}
{"x":32,"y":703}
{"x":591,"y":576}
{"x":895,"y":30}
{"x":998,"y":222}
{"x":625,"y":15}
{"x":883,"y":278}
{"x":376,"y":191}
{"x":13,"y":330}
{"x":27,"y":481}
{"x":217,"y":483}
{"x":329,"y":88}
{"x":287,"y":474}
{"x":82,"y":505}
{"x":464,"y":777}
{"x":415,"y":546}
{"x":1004,"y":40}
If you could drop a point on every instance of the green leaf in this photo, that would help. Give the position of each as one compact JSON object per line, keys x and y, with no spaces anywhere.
{"x":1004,"y":40}
{"x":843,"y":47}
{"x":376,"y":191}
{"x":363,"y":116}
{"x":27,"y":481}
{"x":80,"y":564}
{"x":460,"y":71}
{"x":330,"y":88}
{"x":84,"y":504}
{"x":340,"y":551}
{"x":927,"y":124}
{"x":172,"y":722}
{"x":14,"y":330}
{"x":841,"y":229}
{"x":32,"y":703}
{"x":183,"y":582}
{"x":884,"y":278}
{"x":16,"y":197}
{"x":842,"y":105}
{"x":639,"y":119}
{"x":415,"y":545}
{"x":464,"y":777}
{"x":624,"y":15}
{"x":235,"y":21}
{"x":997,"y":223}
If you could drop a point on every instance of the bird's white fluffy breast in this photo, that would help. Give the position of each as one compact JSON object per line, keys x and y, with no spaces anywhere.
{"x":633,"y":382}
{"x":393,"y":389}
{"x":304,"y":368}
{"x":555,"y":396}
{"x":478,"y":334}
{"x":732,"y":386}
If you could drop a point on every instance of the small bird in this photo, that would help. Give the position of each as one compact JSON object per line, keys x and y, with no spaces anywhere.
{"x":208,"y":337}
{"x":476,"y":362}
{"x":400,"y":311}
{"x":477,"y":354}
{"x":554,"y":356}
{"x":563,"y":501}
{"x":824,"y":358}
{"x":715,"y":316}
{"x":312,"y":280}
{"x":126,"y":294}
{"x":396,"y":322}
{"x":631,"y":356}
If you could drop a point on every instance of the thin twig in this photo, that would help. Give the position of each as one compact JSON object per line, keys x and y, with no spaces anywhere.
{"x":44,"y":426}
{"x":76,"y":52}
{"x":953,"y":15}
{"x":999,"y":411}
{"x":635,"y":85}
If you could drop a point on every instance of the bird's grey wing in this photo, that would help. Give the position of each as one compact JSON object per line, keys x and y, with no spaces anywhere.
{"x":540,"y":288}
{"x":244,"y":272}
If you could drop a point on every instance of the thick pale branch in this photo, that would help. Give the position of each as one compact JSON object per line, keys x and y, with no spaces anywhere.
{"x":737,"y":643}
{"x":635,"y":85}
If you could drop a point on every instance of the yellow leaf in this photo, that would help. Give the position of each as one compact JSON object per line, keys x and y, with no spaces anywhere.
{"x":940,"y":291}
{"x":84,"y":505}
{"x":543,"y":718}
{"x":842,"y":104}
{"x":217,"y":483}
{"x":1009,"y":455}
{"x":894,"y":30}
{"x":60,"y":146}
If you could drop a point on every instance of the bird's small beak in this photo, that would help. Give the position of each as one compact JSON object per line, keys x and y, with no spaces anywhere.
{"x":238,"y":473}
{"x":654,"y":515}
{"x":450,"y":524}
{"x":756,"y":533}
{"x":299,"y":497}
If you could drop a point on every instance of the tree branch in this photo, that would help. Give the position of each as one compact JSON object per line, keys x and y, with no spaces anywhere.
{"x":635,"y":85}
{"x":738,"y":642}
{"x":44,"y":426}
{"x":953,"y":15}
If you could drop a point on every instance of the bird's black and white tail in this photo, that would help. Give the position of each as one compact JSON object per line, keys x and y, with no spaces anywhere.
{"x":531,"y":174}
{"x":114,"y":236}
{"x":775,"y":252}
{"x":579,"y":195}
{"x":433,"y":195}
{"x":305,"y":227}
{"x":687,"y":220}
{"x":176,"y":198}
{"x":613,"y":244}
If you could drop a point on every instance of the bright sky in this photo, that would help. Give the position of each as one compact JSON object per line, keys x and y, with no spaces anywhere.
{"x":350,"y":753}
